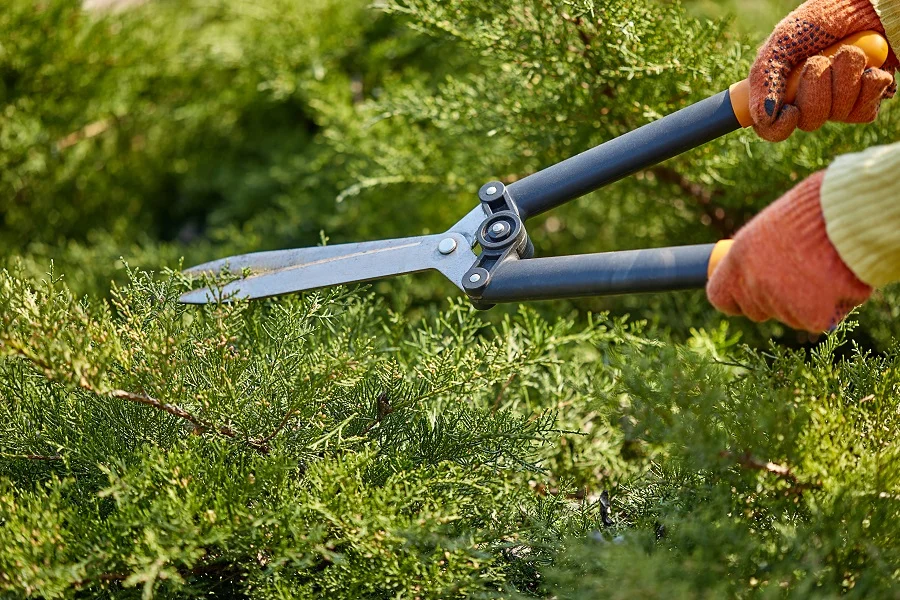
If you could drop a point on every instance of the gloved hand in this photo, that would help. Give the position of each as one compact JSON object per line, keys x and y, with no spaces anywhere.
{"x":783,"y":266}
{"x":838,"y":89}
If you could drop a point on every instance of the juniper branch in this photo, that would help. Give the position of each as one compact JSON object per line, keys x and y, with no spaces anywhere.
{"x":502,"y":392}
{"x":220,"y":568}
{"x":748,"y":461}
{"x":383,"y":409}
{"x":50,"y":457}
{"x":278,"y":428}
{"x":200,"y":425}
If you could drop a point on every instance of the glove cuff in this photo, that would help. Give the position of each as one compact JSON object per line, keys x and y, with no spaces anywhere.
{"x":862,"y":213}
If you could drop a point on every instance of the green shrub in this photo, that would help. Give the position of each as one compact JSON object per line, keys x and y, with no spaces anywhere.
{"x":386,"y":441}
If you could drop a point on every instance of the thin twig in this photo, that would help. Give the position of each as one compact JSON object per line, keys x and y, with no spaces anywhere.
{"x":31,"y":456}
{"x":23,"y":352}
{"x":728,"y":363}
{"x":198,"y":570}
{"x":501,"y":393}
{"x":383,"y":408}
{"x":199,"y":425}
{"x":165,"y":407}
{"x":748,"y":461}
{"x":87,"y":132}
{"x":278,"y":428}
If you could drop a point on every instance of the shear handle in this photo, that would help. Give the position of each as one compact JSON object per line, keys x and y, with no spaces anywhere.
{"x":642,"y":148}
{"x":658,"y":141}
{"x":606,"y":274}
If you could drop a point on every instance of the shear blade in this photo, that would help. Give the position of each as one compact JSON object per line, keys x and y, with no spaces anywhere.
{"x":285,"y":271}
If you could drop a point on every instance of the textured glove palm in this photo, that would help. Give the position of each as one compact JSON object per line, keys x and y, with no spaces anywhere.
{"x":841,"y":89}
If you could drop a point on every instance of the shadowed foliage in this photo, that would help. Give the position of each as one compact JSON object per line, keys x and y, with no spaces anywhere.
{"x":388,"y":441}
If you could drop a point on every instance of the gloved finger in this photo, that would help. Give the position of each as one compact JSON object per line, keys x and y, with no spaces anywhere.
{"x":891,"y":66}
{"x":815,"y":315}
{"x":782,"y":128}
{"x":827,"y":318}
{"x":875,"y":82}
{"x":814,"y":94}
{"x":793,"y":41}
{"x":748,"y":298}
{"x":824,"y":302}
{"x":847,"y":69}
{"x":792,"y":320}
{"x":773,"y":306}
{"x":892,"y":89}
{"x":841,"y":311}
{"x":719,"y":290}
{"x":751,"y":309}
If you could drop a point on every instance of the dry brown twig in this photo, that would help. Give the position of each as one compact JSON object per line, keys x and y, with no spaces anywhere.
{"x":748,"y":461}
{"x":50,"y":457}
{"x":200,"y":425}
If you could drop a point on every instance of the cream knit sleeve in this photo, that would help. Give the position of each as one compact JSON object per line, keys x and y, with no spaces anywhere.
{"x":861,"y":205}
{"x":889,"y":11}
{"x":861,"y":196}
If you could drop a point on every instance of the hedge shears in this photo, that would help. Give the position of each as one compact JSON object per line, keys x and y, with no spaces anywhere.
{"x":506,"y":270}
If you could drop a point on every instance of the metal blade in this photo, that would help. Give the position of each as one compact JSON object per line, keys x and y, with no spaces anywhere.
{"x":281,"y":259}
{"x":273,"y":260}
{"x":286,"y":271}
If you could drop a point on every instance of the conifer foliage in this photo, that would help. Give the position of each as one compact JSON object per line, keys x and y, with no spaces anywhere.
{"x":385,"y":441}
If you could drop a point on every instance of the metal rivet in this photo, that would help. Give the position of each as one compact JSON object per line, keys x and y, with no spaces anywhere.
{"x":475,"y":278}
{"x":447,"y":246}
{"x":498,"y":228}
{"x":491,"y":191}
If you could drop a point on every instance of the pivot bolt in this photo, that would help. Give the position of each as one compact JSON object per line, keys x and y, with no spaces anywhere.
{"x":475,"y":278}
{"x":491,"y":190}
{"x":447,"y":246}
{"x":498,"y":228}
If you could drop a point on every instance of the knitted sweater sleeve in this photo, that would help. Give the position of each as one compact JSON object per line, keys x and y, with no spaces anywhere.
{"x":860,"y":200}
{"x":861,"y":206}
{"x":889,"y":11}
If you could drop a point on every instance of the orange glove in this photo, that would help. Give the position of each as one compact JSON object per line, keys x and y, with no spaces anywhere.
{"x":783,"y":266}
{"x":839,"y":89}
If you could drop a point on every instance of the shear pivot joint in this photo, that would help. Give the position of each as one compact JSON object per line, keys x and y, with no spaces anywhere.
{"x":502,"y":237}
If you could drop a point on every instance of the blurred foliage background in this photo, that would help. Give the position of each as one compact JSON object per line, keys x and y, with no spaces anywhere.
{"x":199,"y":129}
{"x":179,"y":131}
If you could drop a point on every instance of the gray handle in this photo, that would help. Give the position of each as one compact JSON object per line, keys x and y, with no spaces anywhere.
{"x":609,"y":273}
{"x":642,"y":148}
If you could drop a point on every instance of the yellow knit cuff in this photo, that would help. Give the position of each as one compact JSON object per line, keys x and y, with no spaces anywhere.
{"x":889,"y":11}
{"x":861,"y":205}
